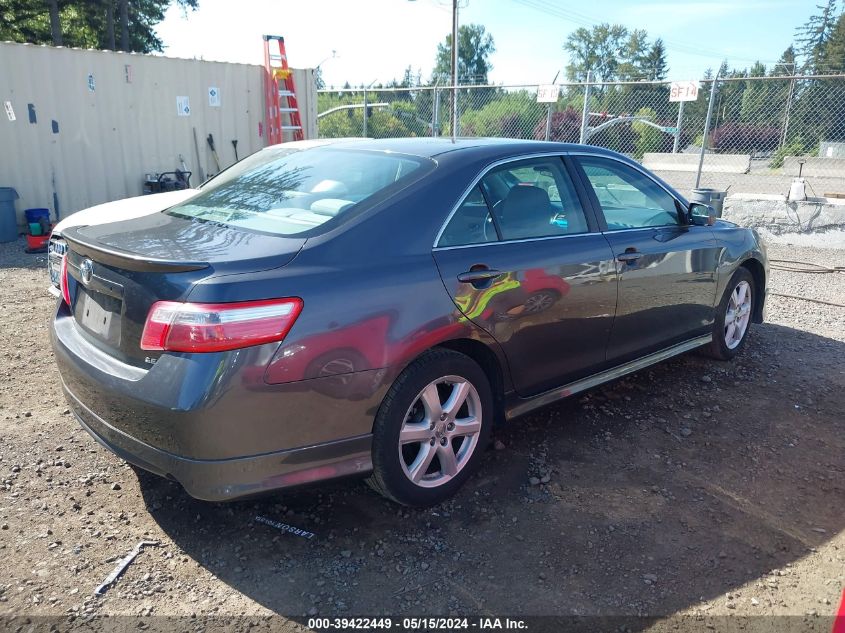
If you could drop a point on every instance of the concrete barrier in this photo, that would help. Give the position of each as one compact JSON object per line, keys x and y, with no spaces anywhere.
{"x":774,"y":213}
{"x":713,"y":163}
{"x":815,"y":167}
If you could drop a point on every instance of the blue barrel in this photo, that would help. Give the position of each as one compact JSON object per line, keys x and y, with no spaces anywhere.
{"x":8,"y":220}
{"x":33,"y":216}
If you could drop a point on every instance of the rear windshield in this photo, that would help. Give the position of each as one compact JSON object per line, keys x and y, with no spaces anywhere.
{"x":288,"y":192}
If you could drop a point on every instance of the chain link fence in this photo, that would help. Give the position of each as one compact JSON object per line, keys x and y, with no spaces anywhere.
{"x":762,"y":131}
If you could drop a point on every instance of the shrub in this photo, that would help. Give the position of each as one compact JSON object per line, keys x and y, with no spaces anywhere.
{"x":649,"y":139}
{"x":512,"y":114}
{"x":795,"y":147}
{"x":566,"y":127}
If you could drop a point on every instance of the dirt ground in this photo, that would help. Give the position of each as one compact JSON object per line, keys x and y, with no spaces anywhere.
{"x":693,"y":488}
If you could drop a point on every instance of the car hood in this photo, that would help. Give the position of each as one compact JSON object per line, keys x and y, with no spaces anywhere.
{"x":125,"y":209}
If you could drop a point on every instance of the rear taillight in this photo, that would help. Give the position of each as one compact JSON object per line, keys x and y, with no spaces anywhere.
{"x":216,"y":327}
{"x":63,"y":281}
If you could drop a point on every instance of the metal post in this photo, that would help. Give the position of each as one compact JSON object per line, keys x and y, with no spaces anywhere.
{"x":788,"y":107}
{"x":706,"y":130}
{"x":436,"y":115}
{"x":365,"y":114}
{"x":585,"y":115}
{"x":454,"y":69}
{"x":678,"y":128}
{"x":549,"y":121}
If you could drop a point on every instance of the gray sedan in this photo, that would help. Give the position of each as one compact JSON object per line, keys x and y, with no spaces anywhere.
{"x":373,"y":308}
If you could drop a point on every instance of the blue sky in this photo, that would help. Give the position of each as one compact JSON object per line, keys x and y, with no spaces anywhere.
{"x":377,"y":39}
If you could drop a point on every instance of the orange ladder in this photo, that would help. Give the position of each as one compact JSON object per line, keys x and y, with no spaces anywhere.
{"x":279,"y":93}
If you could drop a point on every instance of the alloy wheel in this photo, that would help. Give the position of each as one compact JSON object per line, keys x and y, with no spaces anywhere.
{"x":738,"y":314}
{"x":440,"y":432}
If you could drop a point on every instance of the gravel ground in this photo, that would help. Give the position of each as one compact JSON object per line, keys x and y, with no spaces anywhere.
{"x":694,"y":487}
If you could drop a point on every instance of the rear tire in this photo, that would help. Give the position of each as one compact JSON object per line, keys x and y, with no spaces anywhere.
{"x":733,"y":317}
{"x":431,"y":429}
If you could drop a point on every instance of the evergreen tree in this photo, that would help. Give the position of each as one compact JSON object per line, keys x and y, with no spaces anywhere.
{"x":654,"y":63}
{"x":833,"y":54}
{"x":814,"y":34}
{"x":786,"y":65}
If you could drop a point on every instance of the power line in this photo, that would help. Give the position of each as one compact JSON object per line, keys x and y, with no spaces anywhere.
{"x":581,"y":19}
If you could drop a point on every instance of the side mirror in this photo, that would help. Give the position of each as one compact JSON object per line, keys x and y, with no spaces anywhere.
{"x":701,"y":214}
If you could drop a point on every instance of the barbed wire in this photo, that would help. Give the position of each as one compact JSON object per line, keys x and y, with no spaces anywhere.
{"x":581,"y":84}
{"x":763,"y":132}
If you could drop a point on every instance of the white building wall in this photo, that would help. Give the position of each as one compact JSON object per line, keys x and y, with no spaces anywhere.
{"x":109,"y":137}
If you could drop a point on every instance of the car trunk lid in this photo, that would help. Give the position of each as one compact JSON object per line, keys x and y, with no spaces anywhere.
{"x":117,"y":271}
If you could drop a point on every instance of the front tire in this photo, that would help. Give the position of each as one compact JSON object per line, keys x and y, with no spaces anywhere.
{"x":733,"y":317}
{"x":431,"y":429}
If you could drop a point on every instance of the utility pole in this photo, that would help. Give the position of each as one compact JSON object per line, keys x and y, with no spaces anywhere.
{"x":454,"y":69}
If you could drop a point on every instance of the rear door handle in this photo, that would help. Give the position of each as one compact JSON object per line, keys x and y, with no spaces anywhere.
{"x":629,"y":257}
{"x":474,"y":276}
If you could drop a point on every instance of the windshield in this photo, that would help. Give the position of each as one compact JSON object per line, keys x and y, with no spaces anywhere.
{"x":288,"y":192}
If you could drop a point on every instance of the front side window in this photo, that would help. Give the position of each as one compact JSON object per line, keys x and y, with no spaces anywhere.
{"x":289,"y":192}
{"x":629,"y":199}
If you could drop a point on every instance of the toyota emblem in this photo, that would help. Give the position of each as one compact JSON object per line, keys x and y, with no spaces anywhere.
{"x":86,"y":269}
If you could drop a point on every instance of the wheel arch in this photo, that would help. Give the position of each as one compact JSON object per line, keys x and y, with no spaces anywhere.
{"x":758,"y":273}
{"x":489,"y":363}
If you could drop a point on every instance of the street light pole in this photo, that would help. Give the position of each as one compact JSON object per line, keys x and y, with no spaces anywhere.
{"x":454,"y":116}
{"x":454,"y":69}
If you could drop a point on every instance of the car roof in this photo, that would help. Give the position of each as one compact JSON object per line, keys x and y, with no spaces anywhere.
{"x":466,"y":150}
{"x":432,"y":147}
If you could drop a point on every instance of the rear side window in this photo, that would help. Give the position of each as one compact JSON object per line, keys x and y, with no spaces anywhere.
{"x":534,"y":198}
{"x":289,"y":192}
{"x":521,"y":200}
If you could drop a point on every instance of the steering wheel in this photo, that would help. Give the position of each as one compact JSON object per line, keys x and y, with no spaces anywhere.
{"x":488,"y":221}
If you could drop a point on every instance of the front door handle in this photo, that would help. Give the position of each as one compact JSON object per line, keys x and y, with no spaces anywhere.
{"x":475,"y":276}
{"x":629,"y":257}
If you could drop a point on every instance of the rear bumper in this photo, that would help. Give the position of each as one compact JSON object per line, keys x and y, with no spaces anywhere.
{"x":227,"y":479}
{"x":210,"y":422}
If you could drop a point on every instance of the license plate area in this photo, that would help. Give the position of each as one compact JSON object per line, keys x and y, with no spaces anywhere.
{"x":55,"y":251}
{"x":99,"y":314}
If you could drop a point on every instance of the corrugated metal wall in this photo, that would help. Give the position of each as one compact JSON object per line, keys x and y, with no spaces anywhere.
{"x":89,"y":124}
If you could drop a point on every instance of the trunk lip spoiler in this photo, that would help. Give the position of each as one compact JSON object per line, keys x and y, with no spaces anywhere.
{"x":128,"y":259}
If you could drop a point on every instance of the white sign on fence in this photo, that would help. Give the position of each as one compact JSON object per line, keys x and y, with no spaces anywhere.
{"x":214,"y":95}
{"x":10,"y":111}
{"x":183,"y":106}
{"x":683,"y":91}
{"x":548,"y":93}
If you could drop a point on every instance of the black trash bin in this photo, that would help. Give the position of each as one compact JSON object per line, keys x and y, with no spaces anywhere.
{"x":8,"y":218}
{"x":713,"y":197}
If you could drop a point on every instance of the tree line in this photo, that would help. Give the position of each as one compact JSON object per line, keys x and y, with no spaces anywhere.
{"x":758,"y":109}
{"x":126,"y":25}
